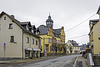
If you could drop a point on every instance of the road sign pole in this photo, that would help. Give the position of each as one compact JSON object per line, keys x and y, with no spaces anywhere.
{"x":4,"y":50}
{"x":4,"y":53}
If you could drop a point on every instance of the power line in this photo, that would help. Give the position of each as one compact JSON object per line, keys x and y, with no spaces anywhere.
{"x":80,"y":23}
{"x":78,"y":36}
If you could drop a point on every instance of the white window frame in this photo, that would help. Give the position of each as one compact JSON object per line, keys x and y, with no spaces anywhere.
{"x":27,"y":39}
{"x":12,"y":39}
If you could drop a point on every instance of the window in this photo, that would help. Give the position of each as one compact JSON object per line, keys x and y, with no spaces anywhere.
{"x":27,"y":39}
{"x":32,"y":41}
{"x":51,"y":48}
{"x":27,"y":28}
{"x":10,"y":26}
{"x":36,"y":42}
{"x":12,"y":39}
{"x":48,"y":40}
{"x":27,"y":53}
{"x":50,"y":33}
{"x":4,"y":18}
{"x":32,"y":31}
{"x":46,"y":47}
{"x":61,"y":48}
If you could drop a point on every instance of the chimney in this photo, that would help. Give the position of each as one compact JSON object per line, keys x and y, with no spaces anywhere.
{"x":12,"y":16}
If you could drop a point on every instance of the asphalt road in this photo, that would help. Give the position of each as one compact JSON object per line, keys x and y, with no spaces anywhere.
{"x":64,"y":61}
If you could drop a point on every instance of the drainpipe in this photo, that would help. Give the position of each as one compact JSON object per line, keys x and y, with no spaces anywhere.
{"x":22,"y":45}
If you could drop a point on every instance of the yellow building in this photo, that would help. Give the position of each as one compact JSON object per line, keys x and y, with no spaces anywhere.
{"x":52,"y":40}
{"x":72,"y":47}
{"x":94,"y":35}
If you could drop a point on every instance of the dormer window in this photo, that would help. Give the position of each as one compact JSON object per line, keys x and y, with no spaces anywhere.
{"x":32,"y":31}
{"x":27,"y":39}
{"x":27,"y":28}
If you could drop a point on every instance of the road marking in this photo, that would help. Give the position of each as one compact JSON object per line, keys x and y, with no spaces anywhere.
{"x":75,"y":62}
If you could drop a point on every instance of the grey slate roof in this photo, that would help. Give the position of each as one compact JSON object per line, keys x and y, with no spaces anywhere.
{"x":43,"y":29}
{"x":24,"y":23}
{"x":57,"y":32}
{"x":74,"y":43}
{"x":49,"y":19}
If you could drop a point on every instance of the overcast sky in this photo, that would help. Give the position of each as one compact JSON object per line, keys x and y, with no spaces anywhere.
{"x":67,"y":13}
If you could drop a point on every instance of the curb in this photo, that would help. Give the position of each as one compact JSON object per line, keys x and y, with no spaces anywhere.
{"x":5,"y":62}
{"x":75,"y":62}
{"x":24,"y":61}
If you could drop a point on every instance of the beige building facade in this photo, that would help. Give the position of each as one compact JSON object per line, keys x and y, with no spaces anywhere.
{"x":17,"y":39}
{"x":94,"y":34}
{"x":72,"y":47}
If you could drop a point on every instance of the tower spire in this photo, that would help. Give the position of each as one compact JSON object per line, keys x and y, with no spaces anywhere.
{"x":49,"y":21}
{"x":49,"y":16}
{"x":49,"y":13}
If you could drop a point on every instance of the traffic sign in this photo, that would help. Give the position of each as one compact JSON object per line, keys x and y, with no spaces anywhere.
{"x":4,"y":44}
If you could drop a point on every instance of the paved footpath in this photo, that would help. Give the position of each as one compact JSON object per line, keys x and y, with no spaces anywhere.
{"x":80,"y":62}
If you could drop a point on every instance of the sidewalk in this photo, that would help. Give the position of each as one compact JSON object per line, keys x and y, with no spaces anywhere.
{"x":80,"y":62}
{"x":26,"y":60}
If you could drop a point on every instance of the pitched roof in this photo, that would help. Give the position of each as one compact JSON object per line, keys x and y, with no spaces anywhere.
{"x":94,"y":21}
{"x":24,"y":23}
{"x":74,"y":43}
{"x":43,"y":29}
{"x":12,"y":18}
{"x":18,"y":23}
{"x":57,"y":32}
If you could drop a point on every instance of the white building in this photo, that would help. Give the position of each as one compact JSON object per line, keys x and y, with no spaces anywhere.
{"x":17,"y":39}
